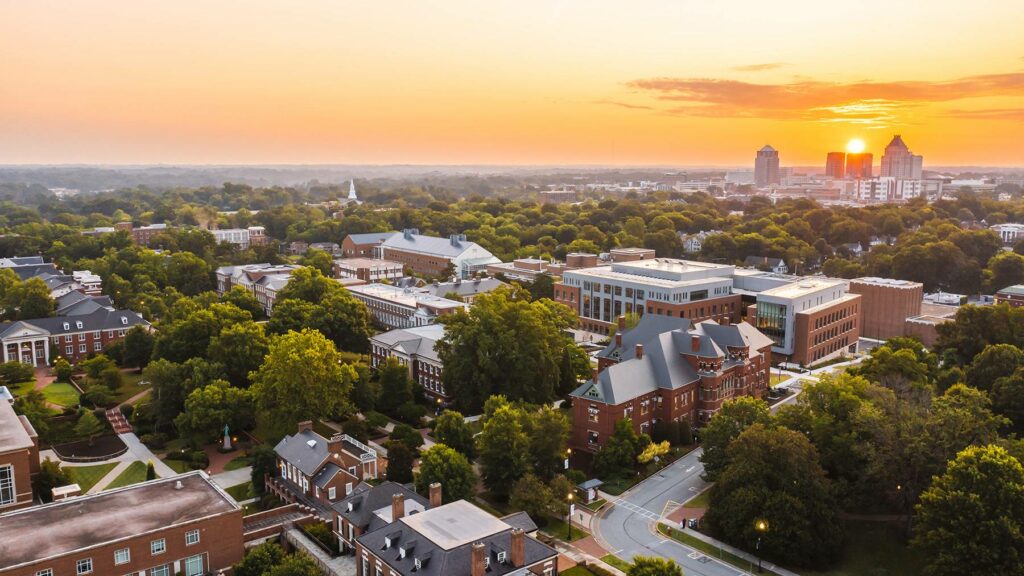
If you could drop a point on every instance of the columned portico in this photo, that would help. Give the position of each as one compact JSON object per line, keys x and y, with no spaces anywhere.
{"x":25,"y":344}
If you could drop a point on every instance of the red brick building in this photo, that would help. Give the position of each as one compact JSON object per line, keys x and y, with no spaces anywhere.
{"x":886,"y":304}
{"x":19,"y":459}
{"x":363,"y":245}
{"x":1012,"y":295}
{"x":40,"y":341}
{"x":685,"y":373}
{"x":182,"y":525}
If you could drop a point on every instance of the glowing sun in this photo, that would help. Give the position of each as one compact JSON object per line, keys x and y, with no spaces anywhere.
{"x":855,"y":146}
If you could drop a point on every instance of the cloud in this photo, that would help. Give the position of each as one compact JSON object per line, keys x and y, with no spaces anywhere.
{"x":759,"y":67}
{"x":625,"y":105}
{"x":863,"y":102}
{"x":990,"y":114}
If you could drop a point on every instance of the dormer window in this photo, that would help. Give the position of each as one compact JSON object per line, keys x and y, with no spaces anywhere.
{"x":78,"y":324}
{"x":417,"y":564}
{"x":487,"y":561}
{"x":387,"y":542}
{"x":502,"y":556}
{"x":67,"y":326}
{"x":124,"y":320}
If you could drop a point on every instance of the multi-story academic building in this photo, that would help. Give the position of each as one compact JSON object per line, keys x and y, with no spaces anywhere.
{"x":431,"y":256}
{"x":886,"y":304}
{"x":19,"y":459}
{"x":393,"y":307}
{"x":414,"y":348}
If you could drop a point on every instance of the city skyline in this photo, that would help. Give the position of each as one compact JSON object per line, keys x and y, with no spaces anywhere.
{"x":564,"y":83}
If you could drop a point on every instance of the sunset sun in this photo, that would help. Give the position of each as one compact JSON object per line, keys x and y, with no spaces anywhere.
{"x":855,"y":146}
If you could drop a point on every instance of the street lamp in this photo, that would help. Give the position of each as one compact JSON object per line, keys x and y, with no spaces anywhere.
{"x":761,"y":526}
{"x":568,"y":455}
{"x":571,"y":510}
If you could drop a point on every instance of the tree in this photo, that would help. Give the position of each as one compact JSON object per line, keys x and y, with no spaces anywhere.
{"x":1007,"y":269}
{"x":548,"y":434}
{"x":531,"y":495}
{"x":450,"y":428}
{"x":297,"y":564}
{"x":994,"y":362}
{"x":1008,"y":398}
{"x":241,"y":348}
{"x":189,"y":273}
{"x":455,"y":474}
{"x":259,"y":560}
{"x":320,"y":260}
{"x":138,"y":347}
{"x":14,"y":372}
{"x":264,"y":463}
{"x":504,"y":451}
{"x":88,"y":426}
{"x":95,"y":367}
{"x":302,"y":378}
{"x":31,"y":299}
{"x":244,"y":300}
{"x":395,"y":385}
{"x":407,"y":435}
{"x":543,"y":286}
{"x":63,"y":370}
{"x":726,"y":425}
{"x":620,"y":450}
{"x":50,"y":476}
{"x":653,"y":451}
{"x":210,"y":408}
{"x":653,"y":566}
{"x":32,"y":405}
{"x":150,"y":471}
{"x":400,"y":461}
{"x":773,"y":475}
{"x":974,"y":510}
{"x":484,"y":351}
{"x":307,"y":284}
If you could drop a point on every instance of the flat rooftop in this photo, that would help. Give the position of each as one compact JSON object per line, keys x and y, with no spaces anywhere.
{"x":367,"y":263}
{"x":804,"y":287}
{"x":455,"y":524}
{"x":891,"y":282}
{"x":13,"y":435}
{"x":410,"y":297}
{"x":70,"y":526}
{"x":660,"y":272}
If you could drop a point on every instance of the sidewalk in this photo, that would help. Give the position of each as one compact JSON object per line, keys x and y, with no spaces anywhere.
{"x":141,"y":452}
{"x":732,"y":550}
{"x":232,"y":477}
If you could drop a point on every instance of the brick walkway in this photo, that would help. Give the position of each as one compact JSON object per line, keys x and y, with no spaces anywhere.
{"x":117,"y":421}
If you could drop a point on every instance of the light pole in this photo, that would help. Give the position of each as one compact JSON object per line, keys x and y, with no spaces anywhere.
{"x":761,"y":526}
{"x":568,"y":455}
{"x":569,"y":518}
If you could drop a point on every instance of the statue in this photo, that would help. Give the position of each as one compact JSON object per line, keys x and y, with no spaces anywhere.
{"x":227,"y":439}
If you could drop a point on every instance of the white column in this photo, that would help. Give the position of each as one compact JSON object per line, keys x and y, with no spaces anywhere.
{"x":4,"y":344}
{"x":46,"y":349}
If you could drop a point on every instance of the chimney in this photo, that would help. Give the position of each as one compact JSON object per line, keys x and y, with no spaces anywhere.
{"x":477,"y":559}
{"x":407,"y":233}
{"x":639,"y":351}
{"x":618,"y":339}
{"x":622,"y":322}
{"x":518,"y":547}
{"x":397,"y":506}
{"x":594,"y":374}
{"x":304,"y":426}
{"x":435,"y":494}
{"x":694,"y":342}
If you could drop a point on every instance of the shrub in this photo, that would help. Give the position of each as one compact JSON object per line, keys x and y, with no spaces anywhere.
{"x":157,"y":440}
{"x":127,"y":410}
{"x":13,"y":372}
{"x":412,"y":413}
{"x":62,"y":368}
{"x":198,"y":460}
{"x":356,"y":428}
{"x":112,"y":378}
{"x":375,"y":419}
{"x":98,"y":396}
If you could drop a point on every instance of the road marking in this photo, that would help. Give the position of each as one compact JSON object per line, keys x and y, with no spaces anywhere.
{"x":690,"y":469}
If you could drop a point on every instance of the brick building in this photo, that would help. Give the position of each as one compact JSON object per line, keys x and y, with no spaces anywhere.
{"x":685,"y":373}
{"x":455,"y":539}
{"x":363,"y":245}
{"x":264,"y":280}
{"x":318,"y":471}
{"x":393,"y":307}
{"x":630,"y":254}
{"x":19,"y":459}
{"x":369,"y":508}
{"x":368,"y":270}
{"x":809,"y":321}
{"x":432,"y":256}
{"x":182,"y":525}
{"x":1012,"y":295}
{"x":466,"y":290}
{"x":886,"y":304}
{"x":414,"y":348}
{"x":527,"y":269}
{"x":40,"y":341}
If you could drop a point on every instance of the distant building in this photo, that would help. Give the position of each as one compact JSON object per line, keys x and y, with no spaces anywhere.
{"x":776,"y":265}
{"x":898,"y":162}
{"x":19,"y":460}
{"x":431,"y":256}
{"x":558,"y":196}
{"x":29,"y":266}
{"x":886,"y":304}
{"x":414,"y":348}
{"x":1012,"y":295}
{"x":526,"y":269}
{"x":630,"y":254}
{"x":369,"y":270}
{"x":363,"y":245}
{"x":91,"y":283}
{"x":886,"y":189}
{"x":38,"y":342}
{"x":262,"y":280}
{"x":393,"y":307}
{"x":681,"y":373}
{"x":181,"y":525}
{"x":466,"y":290}
{"x":859,"y":165}
{"x":835,"y":165}
{"x":766,"y":167}
{"x":1009,"y":233}
{"x":241,"y":237}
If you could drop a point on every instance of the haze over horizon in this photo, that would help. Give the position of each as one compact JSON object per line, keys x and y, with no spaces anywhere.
{"x":567,"y":83}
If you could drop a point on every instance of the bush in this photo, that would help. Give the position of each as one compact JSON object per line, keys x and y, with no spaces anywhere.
{"x":13,"y":372}
{"x":98,"y":396}
{"x":322,"y":532}
{"x":112,"y":378}
{"x":412,"y":414}
{"x":375,"y":419}
{"x":356,"y":428}
{"x":597,"y":570}
{"x":62,"y":368}
{"x":198,"y":460}
{"x":127,"y":410}
{"x":156,"y":440}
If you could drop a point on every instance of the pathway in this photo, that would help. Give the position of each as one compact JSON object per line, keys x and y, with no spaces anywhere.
{"x":117,"y":421}
{"x":43,"y":379}
{"x":141,"y":452}
{"x":232,"y":477}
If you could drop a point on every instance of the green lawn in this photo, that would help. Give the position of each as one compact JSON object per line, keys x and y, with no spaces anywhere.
{"x":613,"y":560}
{"x":700,"y":501}
{"x":595,"y":505}
{"x":874,"y":549}
{"x":21,"y":388}
{"x":707,"y":549}
{"x":179,"y":466}
{"x":130,"y":387}
{"x":559,"y":529}
{"x":62,"y":394}
{"x":238,"y":462}
{"x":577,"y":571}
{"x":241,"y":491}
{"x":133,"y":474}
{"x":87,"y":476}
{"x":775,"y":378}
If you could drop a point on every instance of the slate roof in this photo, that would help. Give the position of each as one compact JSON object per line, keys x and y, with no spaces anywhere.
{"x":1016,"y":290}
{"x":429,"y":245}
{"x":25,"y":272}
{"x":664,"y":363}
{"x":423,"y":538}
{"x":326,"y":475}
{"x":75,"y":303}
{"x":372,"y":237}
{"x":464,"y":288}
{"x":650,"y":325}
{"x":99,"y":319}
{"x":417,"y":341}
{"x":298,"y":451}
{"x":367,"y":499}
{"x":522,"y":521}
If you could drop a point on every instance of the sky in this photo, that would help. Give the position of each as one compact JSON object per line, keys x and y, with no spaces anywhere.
{"x":557,"y":82}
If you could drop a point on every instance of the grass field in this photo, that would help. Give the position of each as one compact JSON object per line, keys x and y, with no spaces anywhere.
{"x":872,"y":549}
{"x":559,"y":529}
{"x":130,"y":387}
{"x":700,"y":501}
{"x":21,"y":388}
{"x":577,"y":571}
{"x":595,"y":505}
{"x":62,"y":394}
{"x":133,"y":474}
{"x":613,"y":560}
{"x":87,"y":476}
{"x":241,"y":491}
{"x":178,"y":466}
{"x":238,"y":462}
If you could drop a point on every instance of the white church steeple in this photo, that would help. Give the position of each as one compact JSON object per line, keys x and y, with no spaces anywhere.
{"x":352,"y":190}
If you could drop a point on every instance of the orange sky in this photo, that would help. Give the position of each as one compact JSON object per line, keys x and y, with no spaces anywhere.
{"x":672,"y":82}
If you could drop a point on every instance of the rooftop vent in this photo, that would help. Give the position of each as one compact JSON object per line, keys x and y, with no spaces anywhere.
{"x":311,"y":443}
{"x":178,"y":485}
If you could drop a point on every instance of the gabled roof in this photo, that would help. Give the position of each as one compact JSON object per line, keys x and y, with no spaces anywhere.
{"x":324,"y":477}
{"x":445,"y":247}
{"x":25,"y":272}
{"x":306,"y":450}
{"x":366,"y":500}
{"x":99,"y":319}
{"x":650,"y":325}
{"x":762,"y":261}
{"x":419,"y":341}
{"x":464,"y":287}
{"x":371,"y":237}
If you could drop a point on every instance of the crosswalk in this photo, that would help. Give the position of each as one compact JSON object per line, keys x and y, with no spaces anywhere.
{"x":637,"y":509}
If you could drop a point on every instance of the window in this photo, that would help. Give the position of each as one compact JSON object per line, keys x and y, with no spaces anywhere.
{"x":7,"y":485}
{"x":69,"y":350}
{"x":78,"y":324}
{"x":122,"y":556}
{"x":501,"y":557}
{"x":83,"y":566}
{"x":67,"y":338}
{"x":45,"y":572}
{"x":158,"y":546}
{"x":97,"y":346}
{"x":67,"y":326}
{"x":81,"y":348}
{"x":164,"y":570}
{"x":331,"y":493}
{"x":191,"y":537}
{"x":194,"y":565}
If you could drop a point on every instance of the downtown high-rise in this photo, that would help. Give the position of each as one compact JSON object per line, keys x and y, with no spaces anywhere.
{"x":898,"y":161}
{"x":766,"y":167}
